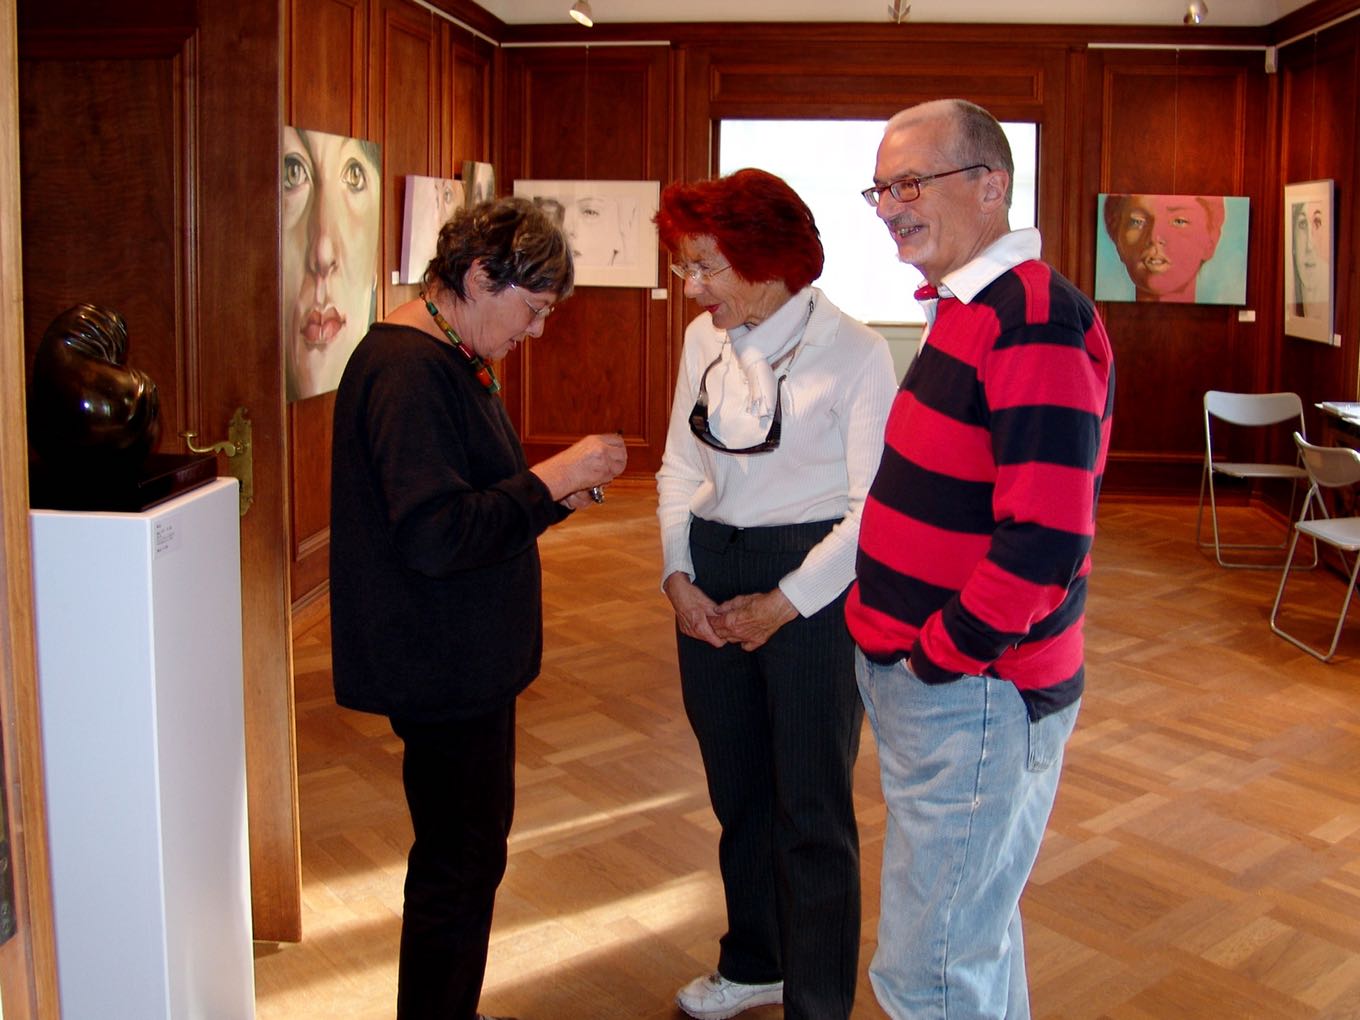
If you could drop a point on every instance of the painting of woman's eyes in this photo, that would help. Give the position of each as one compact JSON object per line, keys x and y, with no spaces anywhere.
{"x":295,"y":172}
{"x":355,"y":176}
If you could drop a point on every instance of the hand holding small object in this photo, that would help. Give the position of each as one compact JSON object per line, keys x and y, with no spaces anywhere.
{"x":587,"y":464}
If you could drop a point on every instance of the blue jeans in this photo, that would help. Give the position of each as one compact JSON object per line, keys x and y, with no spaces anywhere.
{"x":969,"y":783}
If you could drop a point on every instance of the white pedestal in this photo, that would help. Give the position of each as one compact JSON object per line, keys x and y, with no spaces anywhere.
{"x":140,"y":680}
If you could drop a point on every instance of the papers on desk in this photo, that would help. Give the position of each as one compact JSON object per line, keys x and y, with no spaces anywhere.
{"x":1348,"y":409}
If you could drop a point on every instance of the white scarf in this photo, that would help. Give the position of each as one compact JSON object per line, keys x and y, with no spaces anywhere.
{"x":741,"y":391}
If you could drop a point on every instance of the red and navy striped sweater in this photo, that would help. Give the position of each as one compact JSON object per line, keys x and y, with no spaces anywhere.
{"x":975,"y":543}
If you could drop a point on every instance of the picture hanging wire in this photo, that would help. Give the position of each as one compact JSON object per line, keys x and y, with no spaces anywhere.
{"x":585,"y":130}
{"x":1312,"y":115}
{"x":1175,"y":122}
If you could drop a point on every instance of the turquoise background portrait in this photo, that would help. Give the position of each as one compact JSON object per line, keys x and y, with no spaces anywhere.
{"x":1221,"y":281}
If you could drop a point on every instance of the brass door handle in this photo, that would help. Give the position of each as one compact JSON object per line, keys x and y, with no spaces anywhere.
{"x":240,"y":463}
{"x":225,"y":446}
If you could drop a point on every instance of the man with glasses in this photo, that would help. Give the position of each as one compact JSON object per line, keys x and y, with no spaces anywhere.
{"x":972,"y":566}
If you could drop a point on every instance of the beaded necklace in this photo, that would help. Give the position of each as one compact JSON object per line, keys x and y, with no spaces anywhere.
{"x":479,"y":368}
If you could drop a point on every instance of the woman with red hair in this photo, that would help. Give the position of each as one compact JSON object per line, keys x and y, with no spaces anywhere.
{"x":775,"y":434}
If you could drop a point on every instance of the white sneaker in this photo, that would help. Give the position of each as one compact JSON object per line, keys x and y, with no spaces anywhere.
{"x":713,"y":997}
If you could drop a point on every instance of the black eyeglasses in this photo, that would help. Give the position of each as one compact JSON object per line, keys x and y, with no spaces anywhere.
{"x":698,"y":418}
{"x":908,"y":189}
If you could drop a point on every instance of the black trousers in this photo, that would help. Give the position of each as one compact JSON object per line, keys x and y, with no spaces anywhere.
{"x":460,"y":789}
{"x":779,"y":729}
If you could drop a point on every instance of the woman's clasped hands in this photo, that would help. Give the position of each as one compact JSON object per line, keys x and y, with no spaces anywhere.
{"x":747,"y":620}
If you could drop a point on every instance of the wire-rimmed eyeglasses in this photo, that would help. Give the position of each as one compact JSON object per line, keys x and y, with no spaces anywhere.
{"x":908,"y":189}
{"x":540,"y":311}
{"x":699,"y":274}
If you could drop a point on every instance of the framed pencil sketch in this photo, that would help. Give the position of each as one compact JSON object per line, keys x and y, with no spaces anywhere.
{"x":609,"y":223}
{"x":1309,"y":208}
{"x":430,"y":201}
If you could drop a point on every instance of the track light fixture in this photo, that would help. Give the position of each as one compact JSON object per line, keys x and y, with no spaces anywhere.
{"x":580,"y":11}
{"x":1195,"y":12}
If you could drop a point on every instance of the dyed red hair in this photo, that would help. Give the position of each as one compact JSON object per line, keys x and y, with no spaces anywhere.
{"x":760,"y":224}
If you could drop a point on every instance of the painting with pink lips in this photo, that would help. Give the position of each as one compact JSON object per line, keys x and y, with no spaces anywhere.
{"x":1172,"y":249}
{"x":331,"y":206}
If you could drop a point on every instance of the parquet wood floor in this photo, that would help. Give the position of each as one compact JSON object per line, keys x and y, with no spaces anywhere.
{"x":1203,"y":859}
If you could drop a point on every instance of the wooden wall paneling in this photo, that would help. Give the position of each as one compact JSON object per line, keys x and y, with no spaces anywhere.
{"x":326,"y":89}
{"x":325,"y":80}
{"x":602,"y":364}
{"x":104,"y":227}
{"x":1076,"y":156}
{"x":468,"y":98}
{"x":1319,"y":95}
{"x":1178,"y":123}
{"x":406,"y":119}
{"x":28,"y":961}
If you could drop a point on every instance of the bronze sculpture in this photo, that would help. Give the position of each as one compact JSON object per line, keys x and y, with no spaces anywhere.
{"x":89,"y":412}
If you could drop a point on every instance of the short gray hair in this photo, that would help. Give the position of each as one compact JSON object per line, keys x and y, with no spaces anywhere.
{"x":978,"y":137}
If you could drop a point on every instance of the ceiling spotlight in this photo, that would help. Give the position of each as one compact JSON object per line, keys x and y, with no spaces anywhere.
{"x":1195,"y":12}
{"x":580,"y":11}
{"x":899,"y":11}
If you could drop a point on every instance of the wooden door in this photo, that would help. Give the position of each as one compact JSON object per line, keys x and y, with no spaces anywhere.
{"x":150,"y":184}
{"x":28,"y":967}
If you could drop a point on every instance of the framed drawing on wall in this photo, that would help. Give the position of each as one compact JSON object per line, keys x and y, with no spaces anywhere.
{"x":609,"y":223}
{"x":1309,"y":208}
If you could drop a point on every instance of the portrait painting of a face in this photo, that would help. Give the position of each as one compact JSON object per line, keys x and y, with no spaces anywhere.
{"x":479,"y":182}
{"x":1308,"y":260}
{"x":1188,"y":249}
{"x":429,"y":203}
{"x":332,"y":219}
{"x":609,"y":225}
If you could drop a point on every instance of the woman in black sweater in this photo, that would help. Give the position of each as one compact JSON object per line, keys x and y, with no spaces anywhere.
{"x":436,"y":613}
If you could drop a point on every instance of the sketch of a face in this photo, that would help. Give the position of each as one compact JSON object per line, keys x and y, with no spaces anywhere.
{"x":332,"y":202}
{"x":1312,"y":249}
{"x":1163,"y":240}
{"x":479,"y":181}
{"x":595,"y":227}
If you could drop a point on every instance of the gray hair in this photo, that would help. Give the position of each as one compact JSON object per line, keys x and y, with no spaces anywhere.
{"x":978,"y":137}
{"x":514,"y":241}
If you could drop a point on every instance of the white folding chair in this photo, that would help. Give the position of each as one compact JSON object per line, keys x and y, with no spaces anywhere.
{"x":1246,"y":410}
{"x":1328,"y":467}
